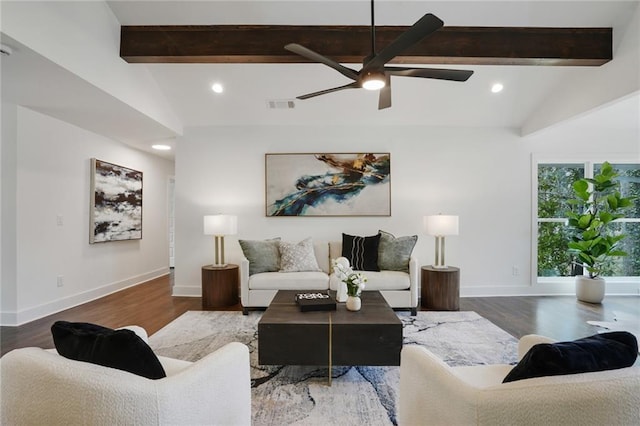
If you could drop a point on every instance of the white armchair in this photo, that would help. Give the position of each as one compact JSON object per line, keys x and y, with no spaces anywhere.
{"x":433,"y":393}
{"x":41,"y":387}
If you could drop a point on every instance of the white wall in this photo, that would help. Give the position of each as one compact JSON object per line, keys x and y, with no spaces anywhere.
{"x":49,"y":28}
{"x":53,"y":179}
{"x":8,"y":160}
{"x":481,"y":174}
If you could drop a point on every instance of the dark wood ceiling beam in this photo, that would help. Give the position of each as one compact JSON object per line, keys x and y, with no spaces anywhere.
{"x":350,"y":44}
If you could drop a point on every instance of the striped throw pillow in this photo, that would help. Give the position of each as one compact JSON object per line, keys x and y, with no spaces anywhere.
{"x":362,"y":252}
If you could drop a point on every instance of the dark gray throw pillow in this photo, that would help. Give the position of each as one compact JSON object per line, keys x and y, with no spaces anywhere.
{"x":394,"y":252}
{"x":606,"y":351}
{"x":362,"y":252}
{"x":263,"y":255}
{"x":122,"y":349}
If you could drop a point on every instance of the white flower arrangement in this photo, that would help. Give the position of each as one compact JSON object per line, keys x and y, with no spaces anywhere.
{"x":355,"y":281}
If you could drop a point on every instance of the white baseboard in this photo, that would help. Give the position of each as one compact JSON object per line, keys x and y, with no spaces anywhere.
{"x":187,"y":291}
{"x":33,"y":313}
{"x":542,"y":289}
{"x":8,"y":318}
{"x":546,"y":289}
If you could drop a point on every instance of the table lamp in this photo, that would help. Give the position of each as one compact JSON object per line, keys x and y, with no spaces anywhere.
{"x":440,"y":226}
{"x":220,"y":225}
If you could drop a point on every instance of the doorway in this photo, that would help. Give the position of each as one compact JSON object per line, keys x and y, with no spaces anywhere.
{"x":171,"y":185}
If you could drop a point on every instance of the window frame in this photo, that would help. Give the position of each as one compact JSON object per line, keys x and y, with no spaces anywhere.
{"x":589,"y":162}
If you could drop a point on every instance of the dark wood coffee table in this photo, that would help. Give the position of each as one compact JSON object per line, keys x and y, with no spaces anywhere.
{"x":371,"y":336}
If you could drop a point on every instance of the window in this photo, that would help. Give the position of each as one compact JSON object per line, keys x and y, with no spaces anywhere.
{"x":554,"y":189}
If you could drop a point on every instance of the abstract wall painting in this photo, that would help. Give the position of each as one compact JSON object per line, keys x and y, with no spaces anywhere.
{"x":116,"y":203}
{"x":341,"y":184}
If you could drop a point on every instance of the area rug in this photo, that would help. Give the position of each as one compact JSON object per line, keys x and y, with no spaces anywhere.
{"x":299,"y":395}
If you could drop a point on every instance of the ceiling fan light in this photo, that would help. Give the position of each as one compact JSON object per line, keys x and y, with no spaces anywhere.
{"x":373,"y":81}
{"x":373,"y":84}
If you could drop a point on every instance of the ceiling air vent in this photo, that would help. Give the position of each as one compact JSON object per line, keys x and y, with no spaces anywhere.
{"x":5,"y":50}
{"x":281,"y":104}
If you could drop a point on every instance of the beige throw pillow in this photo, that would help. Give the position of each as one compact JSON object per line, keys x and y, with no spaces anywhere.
{"x":298,"y":257}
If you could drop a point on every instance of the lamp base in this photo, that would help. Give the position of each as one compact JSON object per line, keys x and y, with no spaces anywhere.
{"x":218,"y":259}
{"x":439,"y":266}
{"x":439,"y":261}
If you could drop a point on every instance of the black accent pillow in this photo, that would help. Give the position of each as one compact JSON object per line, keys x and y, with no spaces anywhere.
{"x":362,"y":252}
{"x":121,"y":349}
{"x":606,"y":351}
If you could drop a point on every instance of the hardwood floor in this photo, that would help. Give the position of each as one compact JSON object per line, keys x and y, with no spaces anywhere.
{"x":151,"y":306}
{"x":558,"y":317}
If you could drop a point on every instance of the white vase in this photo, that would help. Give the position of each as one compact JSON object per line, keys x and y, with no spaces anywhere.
{"x":353,"y":303}
{"x":341,"y":294}
{"x":590,"y":290}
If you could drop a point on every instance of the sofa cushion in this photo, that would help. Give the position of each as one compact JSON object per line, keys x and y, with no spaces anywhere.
{"x":394,"y":252}
{"x":606,"y":351}
{"x":335,"y":250}
{"x":122,"y":349}
{"x":263,"y":255}
{"x":362,"y":252}
{"x":321,"y":249}
{"x":289,"y":281}
{"x":298,"y":257}
{"x":382,"y":280}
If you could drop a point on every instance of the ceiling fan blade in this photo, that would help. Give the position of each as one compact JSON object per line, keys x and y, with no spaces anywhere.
{"x":437,"y":73}
{"x":384,"y":99}
{"x":316,"y":57}
{"x":353,"y":85}
{"x":426,"y":25}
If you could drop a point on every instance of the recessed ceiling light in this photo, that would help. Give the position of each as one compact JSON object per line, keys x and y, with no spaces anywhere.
{"x":161,"y":147}
{"x":217,"y":87}
{"x":497,"y":88}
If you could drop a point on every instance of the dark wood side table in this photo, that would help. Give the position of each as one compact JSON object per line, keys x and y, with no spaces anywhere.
{"x":440,"y":288}
{"x":219,"y":286}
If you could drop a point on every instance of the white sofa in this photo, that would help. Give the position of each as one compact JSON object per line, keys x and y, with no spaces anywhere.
{"x":433,"y":393}
{"x":41,"y":387}
{"x":400,"y":289}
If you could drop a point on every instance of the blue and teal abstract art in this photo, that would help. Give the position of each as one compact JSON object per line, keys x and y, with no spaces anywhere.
{"x":348,"y":184}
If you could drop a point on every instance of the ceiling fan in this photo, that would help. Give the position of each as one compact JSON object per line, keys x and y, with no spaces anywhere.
{"x":375,"y":75}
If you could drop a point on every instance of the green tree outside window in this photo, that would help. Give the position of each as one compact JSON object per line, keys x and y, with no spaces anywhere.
{"x":554,"y":190}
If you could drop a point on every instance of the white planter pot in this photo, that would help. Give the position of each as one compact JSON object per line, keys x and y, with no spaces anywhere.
{"x":590,"y":290}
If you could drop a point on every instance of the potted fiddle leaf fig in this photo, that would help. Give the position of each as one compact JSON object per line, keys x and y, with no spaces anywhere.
{"x":596,"y":205}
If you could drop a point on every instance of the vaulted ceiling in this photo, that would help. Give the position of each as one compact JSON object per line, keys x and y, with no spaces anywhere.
{"x":535,"y":95}
{"x":250,"y":85}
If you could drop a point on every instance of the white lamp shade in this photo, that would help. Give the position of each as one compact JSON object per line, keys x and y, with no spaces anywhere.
{"x":220,"y":224}
{"x":441,"y":225}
